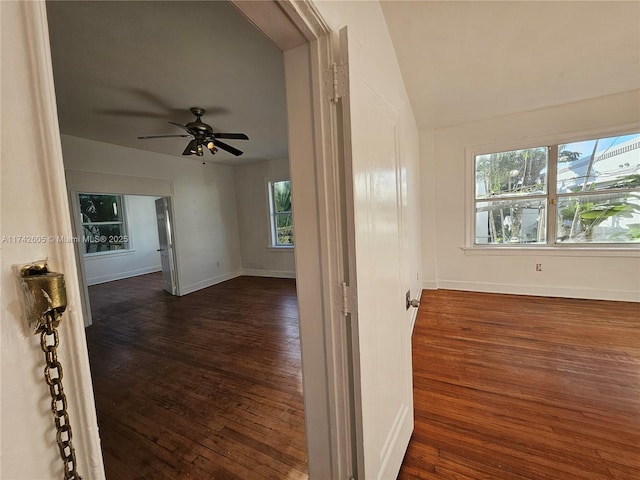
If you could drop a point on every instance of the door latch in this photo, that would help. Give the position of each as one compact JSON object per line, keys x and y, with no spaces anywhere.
{"x":43,"y":292}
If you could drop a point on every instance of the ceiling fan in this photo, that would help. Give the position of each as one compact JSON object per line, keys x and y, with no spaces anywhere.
{"x":203,"y":136}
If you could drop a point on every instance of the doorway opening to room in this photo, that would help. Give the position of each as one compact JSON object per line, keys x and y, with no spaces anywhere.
{"x":206,"y":382}
{"x":122,"y":236}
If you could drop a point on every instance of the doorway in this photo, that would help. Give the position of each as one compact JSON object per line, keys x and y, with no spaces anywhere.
{"x":201,"y":194}
{"x":120,"y":235}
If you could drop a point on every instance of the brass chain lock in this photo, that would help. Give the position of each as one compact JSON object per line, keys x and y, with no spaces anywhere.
{"x":45,"y":299}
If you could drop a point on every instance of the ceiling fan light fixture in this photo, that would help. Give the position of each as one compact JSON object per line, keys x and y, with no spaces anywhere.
{"x":192,"y":148}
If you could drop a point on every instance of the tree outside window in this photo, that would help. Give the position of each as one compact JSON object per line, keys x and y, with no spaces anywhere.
{"x":103,"y":226}
{"x":511,"y":196}
{"x":281,"y":213}
{"x":584,"y":192}
{"x":598,"y":191}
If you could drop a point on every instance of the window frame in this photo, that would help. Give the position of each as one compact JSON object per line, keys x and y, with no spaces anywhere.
{"x":273,"y":232}
{"x":124,"y":229}
{"x":551,"y":245}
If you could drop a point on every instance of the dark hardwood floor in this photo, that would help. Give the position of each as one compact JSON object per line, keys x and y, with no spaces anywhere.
{"x":205,"y":386}
{"x":208,"y":386}
{"x":512,"y":388}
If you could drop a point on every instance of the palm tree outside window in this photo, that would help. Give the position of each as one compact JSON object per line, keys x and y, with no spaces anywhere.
{"x":281,"y":214}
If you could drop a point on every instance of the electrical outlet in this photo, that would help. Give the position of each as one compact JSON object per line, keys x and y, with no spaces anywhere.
{"x":538,"y":267}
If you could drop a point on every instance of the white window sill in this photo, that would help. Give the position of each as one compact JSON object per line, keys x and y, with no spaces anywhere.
{"x":568,"y":251}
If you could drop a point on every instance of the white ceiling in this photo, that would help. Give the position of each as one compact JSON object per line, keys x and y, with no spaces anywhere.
{"x":124,"y":69}
{"x":465,"y":61}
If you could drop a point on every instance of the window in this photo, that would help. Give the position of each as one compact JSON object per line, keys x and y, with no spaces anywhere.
{"x":280,"y":214}
{"x":103,"y":225}
{"x":578,"y":193}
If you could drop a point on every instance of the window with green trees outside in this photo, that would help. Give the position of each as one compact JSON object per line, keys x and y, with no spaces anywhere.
{"x":281,"y":213}
{"x":103,"y":223}
{"x":578,"y":193}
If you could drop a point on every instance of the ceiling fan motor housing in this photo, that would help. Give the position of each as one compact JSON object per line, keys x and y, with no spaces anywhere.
{"x":198,"y":128}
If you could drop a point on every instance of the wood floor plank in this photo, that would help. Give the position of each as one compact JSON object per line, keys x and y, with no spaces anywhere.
{"x":525,"y":388}
{"x":205,"y":386}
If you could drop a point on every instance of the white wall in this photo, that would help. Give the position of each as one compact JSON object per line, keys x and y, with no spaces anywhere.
{"x":253,"y":219}
{"x":204,"y":205}
{"x":142,"y":256}
{"x":573,"y":274}
{"x":428,"y":210}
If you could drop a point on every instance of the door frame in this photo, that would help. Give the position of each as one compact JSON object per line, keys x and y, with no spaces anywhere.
{"x":322,"y":251}
{"x":320,"y":262}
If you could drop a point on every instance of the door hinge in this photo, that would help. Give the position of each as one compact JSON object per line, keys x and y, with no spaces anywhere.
{"x":348,"y":299}
{"x":334,"y":82}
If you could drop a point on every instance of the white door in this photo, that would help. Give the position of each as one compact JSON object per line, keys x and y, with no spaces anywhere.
{"x":381,"y":332}
{"x":165,"y":237}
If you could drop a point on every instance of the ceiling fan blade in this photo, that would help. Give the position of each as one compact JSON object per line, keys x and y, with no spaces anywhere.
{"x":234,"y":136}
{"x":228,"y":148}
{"x":162,"y":136}
{"x":180,"y":125}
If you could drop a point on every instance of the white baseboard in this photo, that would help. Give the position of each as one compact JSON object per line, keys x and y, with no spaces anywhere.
{"x":194,"y":287}
{"x":120,"y":275}
{"x":254,"y":272}
{"x":542,"y":290}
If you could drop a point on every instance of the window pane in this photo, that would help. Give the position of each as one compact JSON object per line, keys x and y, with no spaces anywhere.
{"x":511,"y":221}
{"x":514,"y":173}
{"x":606,"y":218}
{"x":284,"y":229}
{"x":600,"y":164}
{"x":282,"y":196}
{"x":104,"y":237}
{"x":100,"y":208}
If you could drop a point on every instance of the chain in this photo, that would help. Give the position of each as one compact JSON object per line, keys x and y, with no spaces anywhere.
{"x":49,"y":342}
